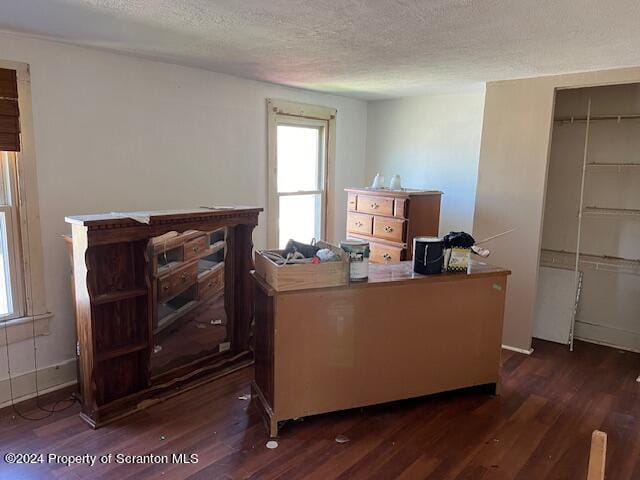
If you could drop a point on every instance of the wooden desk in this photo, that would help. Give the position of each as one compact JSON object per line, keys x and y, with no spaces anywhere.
{"x":398,"y":335}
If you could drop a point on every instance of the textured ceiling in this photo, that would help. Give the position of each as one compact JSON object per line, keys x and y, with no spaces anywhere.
{"x":364,"y":48}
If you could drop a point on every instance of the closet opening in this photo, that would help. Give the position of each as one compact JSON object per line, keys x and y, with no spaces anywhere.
{"x":589,"y":273}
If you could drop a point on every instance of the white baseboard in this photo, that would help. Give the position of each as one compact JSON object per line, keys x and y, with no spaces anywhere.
{"x":607,"y":336}
{"x":518,"y":350}
{"x":50,"y":378}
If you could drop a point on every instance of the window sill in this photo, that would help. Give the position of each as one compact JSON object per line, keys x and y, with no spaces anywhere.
{"x":22,"y":328}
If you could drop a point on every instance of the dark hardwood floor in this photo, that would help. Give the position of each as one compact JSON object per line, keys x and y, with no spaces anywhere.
{"x":539,"y":428}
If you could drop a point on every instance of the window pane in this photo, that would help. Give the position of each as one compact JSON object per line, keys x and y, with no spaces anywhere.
{"x":6,"y":306}
{"x":298,"y":158}
{"x":299,"y":218}
{"x":4,"y":178}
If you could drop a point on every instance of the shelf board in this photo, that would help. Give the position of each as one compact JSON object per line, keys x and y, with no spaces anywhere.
{"x":583,"y":118}
{"x":567,"y":260}
{"x":120,"y":351}
{"x":206,"y":272}
{"x":611,"y":212}
{"x":167,"y":320}
{"x":613,"y":166}
{"x":161,"y":244}
{"x":117,"y":296}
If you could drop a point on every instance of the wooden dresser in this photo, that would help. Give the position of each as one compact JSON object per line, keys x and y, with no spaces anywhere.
{"x":390,"y":219}
{"x":163,"y":303}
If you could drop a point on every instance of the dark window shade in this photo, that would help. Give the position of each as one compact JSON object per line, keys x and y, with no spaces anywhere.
{"x":9,"y":114}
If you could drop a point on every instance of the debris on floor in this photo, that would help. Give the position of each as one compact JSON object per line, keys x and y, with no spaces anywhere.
{"x":342,"y":439}
{"x":216,"y":322}
{"x":638,"y":379}
{"x":162,"y":437}
{"x":271,"y":444}
{"x":246,"y":396}
{"x":157,"y":348}
{"x":201,"y":325}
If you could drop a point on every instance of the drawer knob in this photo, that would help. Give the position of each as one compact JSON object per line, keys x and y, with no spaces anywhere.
{"x":359,"y":224}
{"x":165,"y":287}
{"x":209,"y":284}
{"x":196,"y":248}
{"x":386,"y":256}
{"x":183,"y":277}
{"x":374,"y":205}
{"x":388,"y":228}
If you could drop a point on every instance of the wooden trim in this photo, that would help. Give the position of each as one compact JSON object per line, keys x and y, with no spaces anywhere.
{"x":265,"y":410}
{"x":272,"y":180}
{"x":297,"y":109}
{"x":290,"y":111}
{"x":597,"y":456}
{"x":28,"y":203}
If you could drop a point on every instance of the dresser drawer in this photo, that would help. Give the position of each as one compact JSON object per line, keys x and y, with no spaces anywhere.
{"x":358,"y":223}
{"x":381,"y":253}
{"x":211,"y":283}
{"x":171,"y":285}
{"x":352,"y":202}
{"x":388,"y":228}
{"x":194,"y":248}
{"x":377,"y":205}
{"x":400,"y":208}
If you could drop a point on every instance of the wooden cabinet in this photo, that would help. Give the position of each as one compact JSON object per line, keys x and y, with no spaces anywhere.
{"x":141,"y":280}
{"x":397,"y":335}
{"x":391,"y":219}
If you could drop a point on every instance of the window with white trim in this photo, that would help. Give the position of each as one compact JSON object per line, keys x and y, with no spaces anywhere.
{"x":301,"y":146}
{"x":11,"y":276}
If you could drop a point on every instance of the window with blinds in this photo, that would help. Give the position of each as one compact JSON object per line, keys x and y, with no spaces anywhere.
{"x":9,"y":112}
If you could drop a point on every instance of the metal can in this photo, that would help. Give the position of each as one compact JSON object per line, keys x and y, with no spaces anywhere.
{"x":358,"y":251}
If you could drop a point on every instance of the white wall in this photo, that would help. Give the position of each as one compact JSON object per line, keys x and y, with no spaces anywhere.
{"x":432,"y":142}
{"x":116,"y":133}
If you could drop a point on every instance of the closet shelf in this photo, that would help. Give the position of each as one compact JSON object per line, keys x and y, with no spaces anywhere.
{"x":567,"y":260}
{"x":583,"y":118}
{"x":619,"y":167}
{"x":610,"y":212}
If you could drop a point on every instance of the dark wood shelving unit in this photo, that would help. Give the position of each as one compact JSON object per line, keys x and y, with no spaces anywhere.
{"x":116,"y":282}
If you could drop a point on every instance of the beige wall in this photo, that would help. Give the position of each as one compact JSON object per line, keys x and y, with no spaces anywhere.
{"x":432,"y":142}
{"x":512,"y":181}
{"x":116,"y":133}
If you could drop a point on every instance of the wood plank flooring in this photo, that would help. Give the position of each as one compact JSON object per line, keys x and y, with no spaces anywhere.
{"x":539,"y":428}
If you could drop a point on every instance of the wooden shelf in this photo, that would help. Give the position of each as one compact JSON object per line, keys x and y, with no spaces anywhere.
{"x":167,"y":320}
{"x":161,"y":245}
{"x":117,"y":296}
{"x":611,"y":212}
{"x":567,"y":260}
{"x":120,"y":351}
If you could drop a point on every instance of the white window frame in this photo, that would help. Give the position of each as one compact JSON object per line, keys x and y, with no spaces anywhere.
{"x":282,"y":112}
{"x":34,"y":316}
{"x":14,"y":250}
